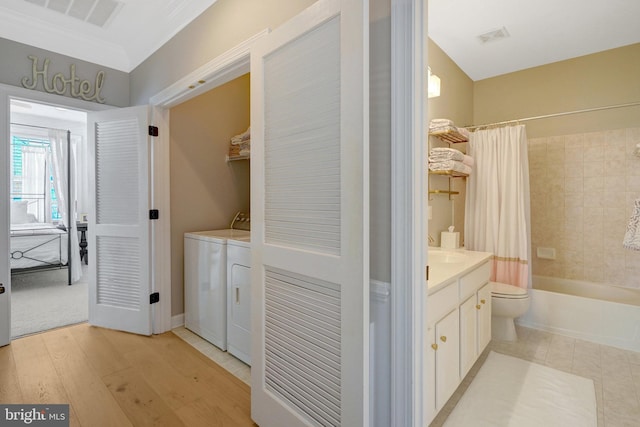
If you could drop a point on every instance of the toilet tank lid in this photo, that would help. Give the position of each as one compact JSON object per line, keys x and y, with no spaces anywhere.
{"x":505,"y":289}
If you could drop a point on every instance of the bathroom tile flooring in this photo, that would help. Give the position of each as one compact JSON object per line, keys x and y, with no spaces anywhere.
{"x":615,"y":372}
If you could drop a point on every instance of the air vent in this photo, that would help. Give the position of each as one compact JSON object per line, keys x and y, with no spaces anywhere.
{"x":96,"y":12}
{"x":493,"y":35}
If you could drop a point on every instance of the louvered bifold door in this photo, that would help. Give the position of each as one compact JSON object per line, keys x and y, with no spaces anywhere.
{"x":119,"y":278}
{"x":309,"y":202}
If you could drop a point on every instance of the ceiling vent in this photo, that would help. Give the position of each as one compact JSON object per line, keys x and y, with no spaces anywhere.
{"x":493,"y":35}
{"x":96,"y":12}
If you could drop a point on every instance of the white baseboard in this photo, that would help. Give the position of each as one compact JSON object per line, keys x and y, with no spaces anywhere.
{"x":177,"y":321}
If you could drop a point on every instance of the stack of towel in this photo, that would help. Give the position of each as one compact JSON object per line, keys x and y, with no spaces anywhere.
{"x":632,"y":236}
{"x":240,"y":145}
{"x":443,"y":158}
{"x":443,"y":125}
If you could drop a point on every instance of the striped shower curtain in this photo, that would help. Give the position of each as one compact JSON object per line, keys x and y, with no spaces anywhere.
{"x":497,"y":214}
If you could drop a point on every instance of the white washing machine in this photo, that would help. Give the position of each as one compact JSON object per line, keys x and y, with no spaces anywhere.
{"x":205,"y":282}
{"x":239,"y":299}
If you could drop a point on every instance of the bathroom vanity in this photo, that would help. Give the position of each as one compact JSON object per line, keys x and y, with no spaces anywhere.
{"x":458,"y":320}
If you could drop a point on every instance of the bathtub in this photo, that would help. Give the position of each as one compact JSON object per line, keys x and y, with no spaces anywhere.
{"x":594,"y":312}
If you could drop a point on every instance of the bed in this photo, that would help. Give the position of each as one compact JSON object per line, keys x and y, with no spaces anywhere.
{"x":33,"y":244}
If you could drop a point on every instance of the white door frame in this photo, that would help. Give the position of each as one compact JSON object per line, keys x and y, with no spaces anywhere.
{"x":6,"y":93}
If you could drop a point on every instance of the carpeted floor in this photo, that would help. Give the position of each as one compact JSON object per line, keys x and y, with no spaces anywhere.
{"x":512,"y":392}
{"x":43,"y":300}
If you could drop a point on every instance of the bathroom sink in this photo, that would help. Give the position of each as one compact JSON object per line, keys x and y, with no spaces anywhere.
{"x":446,"y":257}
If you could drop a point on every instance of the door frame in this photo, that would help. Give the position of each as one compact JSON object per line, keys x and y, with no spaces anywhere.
{"x":408,"y":212}
{"x":6,"y":93}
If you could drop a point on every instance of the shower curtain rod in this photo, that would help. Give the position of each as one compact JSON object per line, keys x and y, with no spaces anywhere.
{"x":38,"y":127}
{"x":546,"y":116}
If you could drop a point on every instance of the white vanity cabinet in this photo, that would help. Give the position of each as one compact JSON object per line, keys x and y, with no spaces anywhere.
{"x":474,"y":337}
{"x":484,"y":317}
{"x":475,"y":327}
{"x":458,"y":331}
{"x":446,"y":343}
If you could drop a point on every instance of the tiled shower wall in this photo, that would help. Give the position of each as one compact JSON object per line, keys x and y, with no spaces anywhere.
{"x":582,"y":192}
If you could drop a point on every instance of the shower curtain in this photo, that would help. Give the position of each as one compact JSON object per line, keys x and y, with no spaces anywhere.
{"x":497,"y":214}
{"x":59,"y":158}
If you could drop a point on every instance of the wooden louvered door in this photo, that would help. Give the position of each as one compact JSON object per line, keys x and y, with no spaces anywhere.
{"x":309,"y":207}
{"x":119,"y":236}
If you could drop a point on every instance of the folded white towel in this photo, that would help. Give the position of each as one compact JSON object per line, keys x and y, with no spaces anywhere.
{"x":441,"y":122}
{"x":244,"y":152}
{"x":443,"y":153}
{"x":239,"y":139}
{"x":632,"y":236}
{"x":452,"y":165}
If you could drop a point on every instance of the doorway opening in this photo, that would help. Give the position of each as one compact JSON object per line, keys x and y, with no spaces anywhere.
{"x":48,"y":199}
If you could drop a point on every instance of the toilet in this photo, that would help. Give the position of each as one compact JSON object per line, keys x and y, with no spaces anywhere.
{"x":507,"y":303}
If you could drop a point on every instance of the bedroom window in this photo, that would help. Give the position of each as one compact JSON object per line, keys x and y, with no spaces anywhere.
{"x":32,"y":179}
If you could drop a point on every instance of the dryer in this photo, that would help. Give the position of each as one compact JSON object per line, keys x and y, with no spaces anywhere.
{"x":205,"y":282}
{"x":239,"y":299}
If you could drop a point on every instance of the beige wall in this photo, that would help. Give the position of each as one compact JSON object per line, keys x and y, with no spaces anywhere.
{"x":222,"y":26}
{"x":606,"y":78}
{"x":583,"y":174}
{"x":205,"y":190}
{"x":455,"y":103}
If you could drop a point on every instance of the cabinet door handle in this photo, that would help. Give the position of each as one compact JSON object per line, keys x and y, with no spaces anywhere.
{"x":478,"y":306}
{"x":237,"y":295}
{"x":443,"y":338}
{"x":434,"y":346}
{"x":483,"y":301}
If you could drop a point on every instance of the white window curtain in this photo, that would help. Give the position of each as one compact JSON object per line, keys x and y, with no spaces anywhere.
{"x":60,"y":159}
{"x":497,"y":212}
{"x":33,"y":180}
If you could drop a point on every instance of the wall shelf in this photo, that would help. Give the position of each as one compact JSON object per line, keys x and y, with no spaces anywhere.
{"x":450,"y":135}
{"x":234,"y":158}
{"x":449,"y":192}
{"x":450,"y":173}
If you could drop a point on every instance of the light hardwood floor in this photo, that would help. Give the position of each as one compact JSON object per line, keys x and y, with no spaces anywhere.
{"x":117,"y":379}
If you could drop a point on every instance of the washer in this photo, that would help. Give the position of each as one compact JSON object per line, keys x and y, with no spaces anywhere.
{"x":205,"y":282}
{"x":239,"y":299}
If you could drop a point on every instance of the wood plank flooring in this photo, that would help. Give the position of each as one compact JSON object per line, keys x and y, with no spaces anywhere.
{"x":112,"y":378}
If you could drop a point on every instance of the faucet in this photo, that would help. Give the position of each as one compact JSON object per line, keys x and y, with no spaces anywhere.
{"x":431,"y":239}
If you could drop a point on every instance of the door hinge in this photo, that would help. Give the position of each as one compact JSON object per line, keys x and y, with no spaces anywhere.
{"x":154,"y":214}
{"x":154,"y":297}
{"x":427,"y":272}
{"x":153,"y":130}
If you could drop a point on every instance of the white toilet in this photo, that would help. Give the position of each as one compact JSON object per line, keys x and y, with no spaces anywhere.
{"x":507,"y":303}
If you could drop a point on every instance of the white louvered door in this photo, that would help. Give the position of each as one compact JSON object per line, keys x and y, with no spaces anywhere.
{"x":119,"y":236}
{"x":309,"y":202}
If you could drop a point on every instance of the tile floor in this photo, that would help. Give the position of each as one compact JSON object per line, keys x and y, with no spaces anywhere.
{"x":615,"y":372}
{"x":222,"y":358}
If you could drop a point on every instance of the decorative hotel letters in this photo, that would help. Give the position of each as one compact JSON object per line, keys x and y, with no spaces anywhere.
{"x":60,"y":84}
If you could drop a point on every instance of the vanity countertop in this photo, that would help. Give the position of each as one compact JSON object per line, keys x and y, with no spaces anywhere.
{"x":447,"y":264}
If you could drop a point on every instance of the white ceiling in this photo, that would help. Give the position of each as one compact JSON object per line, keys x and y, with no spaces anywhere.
{"x":136,"y":29}
{"x":541,"y":31}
